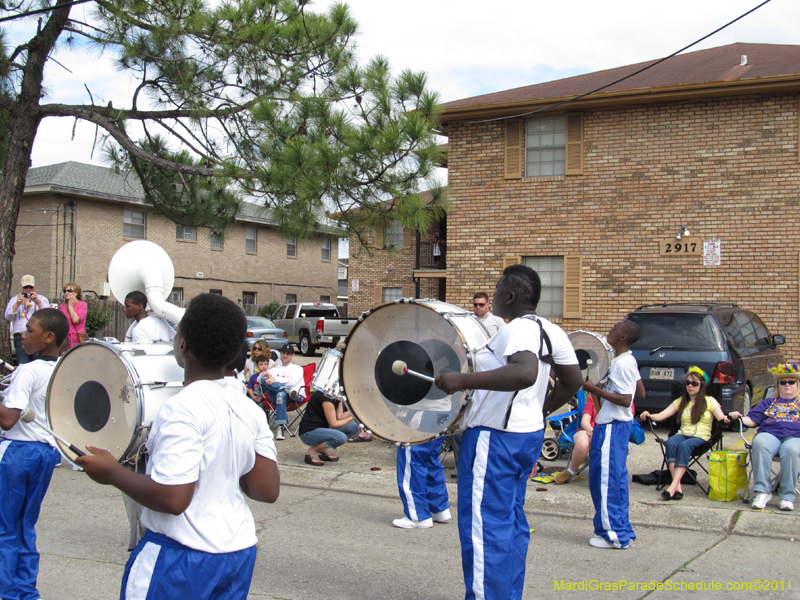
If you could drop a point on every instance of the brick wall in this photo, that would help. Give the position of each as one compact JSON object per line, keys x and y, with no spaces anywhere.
{"x":726,"y":168}
{"x":98,"y":235}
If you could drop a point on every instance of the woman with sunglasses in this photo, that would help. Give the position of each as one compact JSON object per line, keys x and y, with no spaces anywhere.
{"x":260,"y":347}
{"x":697,"y":412}
{"x":777,"y":417}
{"x":74,"y":308}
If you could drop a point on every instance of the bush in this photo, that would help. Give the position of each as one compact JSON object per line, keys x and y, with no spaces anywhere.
{"x":268,"y":309}
{"x":98,"y":315}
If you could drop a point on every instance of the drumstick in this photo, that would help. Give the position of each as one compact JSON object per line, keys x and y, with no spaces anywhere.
{"x":28,"y":416}
{"x":399,"y":367}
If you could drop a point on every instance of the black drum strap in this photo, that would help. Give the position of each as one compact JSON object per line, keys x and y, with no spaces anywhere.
{"x":547,"y":359}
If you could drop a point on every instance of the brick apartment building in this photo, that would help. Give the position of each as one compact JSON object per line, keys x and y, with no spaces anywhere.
{"x":592,"y":193}
{"x":75,"y":216}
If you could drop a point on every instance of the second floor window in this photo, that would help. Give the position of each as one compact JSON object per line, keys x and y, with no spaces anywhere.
{"x":393,"y":235}
{"x":186,"y":233}
{"x":326,"y":248}
{"x":250,"y":239}
{"x":545,"y":146}
{"x":291,"y":247}
{"x":216,"y":240}
{"x":133,"y":224}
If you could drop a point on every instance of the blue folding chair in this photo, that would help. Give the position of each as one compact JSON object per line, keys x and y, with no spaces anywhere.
{"x":565,"y":426}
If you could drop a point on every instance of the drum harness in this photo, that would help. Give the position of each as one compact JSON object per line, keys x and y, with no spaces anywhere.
{"x":547,"y":359}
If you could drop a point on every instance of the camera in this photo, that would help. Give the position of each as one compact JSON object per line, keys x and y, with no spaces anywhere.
{"x":26,"y":295}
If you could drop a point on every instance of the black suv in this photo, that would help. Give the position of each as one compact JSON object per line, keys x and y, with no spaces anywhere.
{"x":732,"y":345}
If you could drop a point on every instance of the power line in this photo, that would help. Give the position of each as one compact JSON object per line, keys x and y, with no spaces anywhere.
{"x":658,"y":62}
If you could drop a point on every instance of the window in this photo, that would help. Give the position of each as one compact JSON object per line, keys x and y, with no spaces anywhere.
{"x":325,"y":299}
{"x":250,"y":239}
{"x":291,"y":247}
{"x":326,"y":248}
{"x":290,"y":298}
{"x":342,"y":273}
{"x":545,"y":146}
{"x":133,"y":224}
{"x":393,"y":235}
{"x":551,"y":272}
{"x":176,"y":297}
{"x":392,"y":294}
{"x":248,"y":297}
{"x":217,"y":292}
{"x":186,"y":233}
{"x":741,"y":330}
{"x":216,"y":239}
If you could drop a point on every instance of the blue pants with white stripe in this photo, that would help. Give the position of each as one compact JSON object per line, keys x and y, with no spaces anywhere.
{"x":420,"y":480}
{"x":25,"y":472}
{"x":493,"y":471}
{"x":608,"y":482}
{"x":160,"y":568}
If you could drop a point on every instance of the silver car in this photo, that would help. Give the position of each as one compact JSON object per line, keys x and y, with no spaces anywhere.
{"x":261,"y":327}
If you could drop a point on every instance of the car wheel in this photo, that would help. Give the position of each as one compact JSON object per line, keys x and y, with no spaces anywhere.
{"x":306,"y":347}
{"x":747,"y":400}
{"x":550,"y":449}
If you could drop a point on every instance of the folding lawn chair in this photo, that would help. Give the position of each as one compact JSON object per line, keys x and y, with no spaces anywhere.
{"x":774,"y":475}
{"x":564,"y":426}
{"x":714,"y":443}
{"x":299,"y":405}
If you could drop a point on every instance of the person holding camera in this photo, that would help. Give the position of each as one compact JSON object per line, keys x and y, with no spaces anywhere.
{"x":20,"y":308}
{"x":75,"y":309}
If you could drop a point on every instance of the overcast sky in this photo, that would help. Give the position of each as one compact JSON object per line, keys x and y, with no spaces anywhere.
{"x":470,"y":47}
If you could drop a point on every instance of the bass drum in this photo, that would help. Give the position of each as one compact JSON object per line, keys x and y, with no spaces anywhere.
{"x":432,"y":338}
{"x":593,"y":352}
{"x":107,"y":395}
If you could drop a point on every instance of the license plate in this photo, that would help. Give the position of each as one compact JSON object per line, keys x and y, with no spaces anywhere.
{"x":269,"y":336}
{"x":662,"y":373}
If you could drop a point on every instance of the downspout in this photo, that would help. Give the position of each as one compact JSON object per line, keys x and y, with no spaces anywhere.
{"x":417,"y":262}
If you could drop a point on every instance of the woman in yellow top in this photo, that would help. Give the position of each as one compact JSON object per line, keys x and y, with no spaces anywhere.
{"x":697,"y":412}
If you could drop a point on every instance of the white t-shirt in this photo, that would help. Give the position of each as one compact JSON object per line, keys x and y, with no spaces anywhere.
{"x":488,"y":407}
{"x":28,"y":387}
{"x":492,"y":323}
{"x":150,"y":329}
{"x":218,"y":518}
{"x":622,"y":377}
{"x":290,"y":376}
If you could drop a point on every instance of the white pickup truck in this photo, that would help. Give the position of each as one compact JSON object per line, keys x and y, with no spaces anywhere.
{"x":312,"y":324}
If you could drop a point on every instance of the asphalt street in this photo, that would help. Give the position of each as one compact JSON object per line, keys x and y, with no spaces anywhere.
{"x":329,"y":537}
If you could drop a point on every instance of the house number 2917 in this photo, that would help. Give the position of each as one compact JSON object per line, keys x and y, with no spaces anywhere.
{"x":674,"y":247}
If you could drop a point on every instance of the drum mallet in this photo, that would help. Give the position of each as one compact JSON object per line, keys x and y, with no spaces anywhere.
{"x":399,"y":367}
{"x":28,"y":416}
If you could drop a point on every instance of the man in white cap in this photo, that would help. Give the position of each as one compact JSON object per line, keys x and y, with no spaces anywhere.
{"x":19,"y":310}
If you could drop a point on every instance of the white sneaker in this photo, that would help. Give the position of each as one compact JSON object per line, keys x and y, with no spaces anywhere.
{"x":442,"y":517}
{"x":601,"y":542}
{"x":760,"y":501}
{"x":279,"y":433}
{"x":406,"y":523}
{"x":785,"y":505}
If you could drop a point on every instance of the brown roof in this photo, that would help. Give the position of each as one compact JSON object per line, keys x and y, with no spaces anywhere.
{"x":713,"y":69}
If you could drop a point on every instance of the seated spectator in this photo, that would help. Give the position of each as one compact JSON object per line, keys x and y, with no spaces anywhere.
{"x":778,"y":422}
{"x":697,"y":413}
{"x":254,"y":389}
{"x":325,"y":425}
{"x":283,"y":383}
{"x":261,"y":346}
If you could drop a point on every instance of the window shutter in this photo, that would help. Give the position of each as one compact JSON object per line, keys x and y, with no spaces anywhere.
{"x":379,"y":238}
{"x":510,"y":260}
{"x":515,"y":130}
{"x":573,"y":297}
{"x":378,"y":295}
{"x":407,"y":293}
{"x":406,"y":239}
{"x":574,"y":160}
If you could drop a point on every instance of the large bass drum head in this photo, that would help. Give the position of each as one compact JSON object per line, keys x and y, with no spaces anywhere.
{"x":593,"y":352}
{"x":430,"y":340}
{"x":96,"y":396}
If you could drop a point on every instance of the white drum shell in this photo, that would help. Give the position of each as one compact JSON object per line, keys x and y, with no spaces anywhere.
{"x":326,"y":377}
{"x":420,"y":322}
{"x":598,"y":349}
{"x":137,"y":378}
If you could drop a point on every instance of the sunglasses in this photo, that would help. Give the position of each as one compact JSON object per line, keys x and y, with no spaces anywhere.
{"x":788,"y":382}
{"x":69,"y":291}
{"x":259,"y":348}
{"x":692,"y":383}
{"x":27,"y":287}
{"x":476,"y":305}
